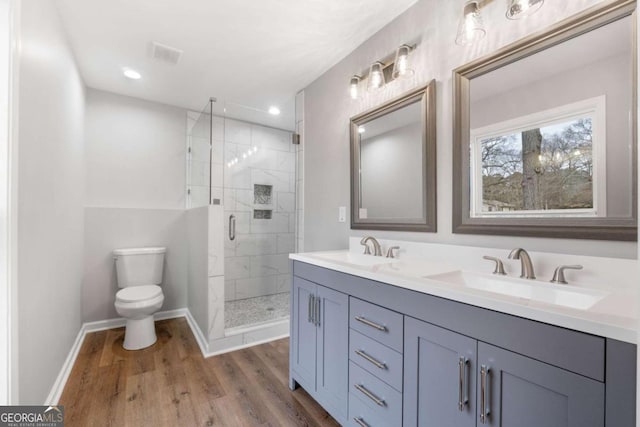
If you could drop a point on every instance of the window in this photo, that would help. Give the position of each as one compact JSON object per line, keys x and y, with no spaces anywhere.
{"x":541,"y":165}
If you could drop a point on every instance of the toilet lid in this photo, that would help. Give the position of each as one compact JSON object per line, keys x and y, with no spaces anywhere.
{"x":138,"y":293}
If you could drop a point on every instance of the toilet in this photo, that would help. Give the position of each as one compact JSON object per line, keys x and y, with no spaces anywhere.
{"x":139,"y":272}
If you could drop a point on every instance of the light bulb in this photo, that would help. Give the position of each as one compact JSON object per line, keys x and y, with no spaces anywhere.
{"x":353,"y":87}
{"x":471,"y":27}
{"x":376,"y":76}
{"x":401,"y":64}
{"x":273,"y":110}
{"x":361,"y":129}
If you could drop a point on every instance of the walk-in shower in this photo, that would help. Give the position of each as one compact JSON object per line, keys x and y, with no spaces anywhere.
{"x":250,"y":169}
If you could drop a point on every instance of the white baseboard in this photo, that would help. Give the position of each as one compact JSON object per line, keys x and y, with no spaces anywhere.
{"x":58,"y":386}
{"x":200,"y":339}
{"x":241,"y":346}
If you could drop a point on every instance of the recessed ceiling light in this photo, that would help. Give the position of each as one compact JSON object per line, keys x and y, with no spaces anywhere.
{"x":274,"y":110}
{"x":131,"y":74}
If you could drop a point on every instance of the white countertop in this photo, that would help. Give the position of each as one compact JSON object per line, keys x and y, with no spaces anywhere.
{"x":614,"y":316}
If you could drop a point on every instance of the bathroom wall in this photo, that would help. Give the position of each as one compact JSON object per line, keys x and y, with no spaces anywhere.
{"x":135,"y":153}
{"x":256,"y":262}
{"x":50,"y":200}
{"x":135,"y":194}
{"x":328,"y":107}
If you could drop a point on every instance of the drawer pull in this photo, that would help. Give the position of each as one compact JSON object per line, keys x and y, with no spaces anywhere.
{"x":370,"y":359}
{"x":370,"y":395}
{"x":360,"y":422}
{"x":372,"y":324}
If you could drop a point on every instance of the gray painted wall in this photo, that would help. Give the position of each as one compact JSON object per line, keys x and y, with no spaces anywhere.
{"x":135,"y":159}
{"x":106,"y":229}
{"x":50,"y":201}
{"x":135,"y":152}
{"x":328,"y":108}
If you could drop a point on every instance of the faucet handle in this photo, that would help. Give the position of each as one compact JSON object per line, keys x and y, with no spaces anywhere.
{"x":558,"y":275}
{"x":499,"y":265}
{"x":364,"y":243}
{"x":390,"y":251}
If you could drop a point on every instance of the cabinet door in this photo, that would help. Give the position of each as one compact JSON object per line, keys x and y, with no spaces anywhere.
{"x":519,"y":391}
{"x":303,"y":340}
{"x":333,"y":350}
{"x":439,"y":376}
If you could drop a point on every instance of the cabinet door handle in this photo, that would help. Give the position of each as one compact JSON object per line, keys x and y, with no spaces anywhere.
{"x":376,"y":399}
{"x":318,"y":309}
{"x":232,"y":227}
{"x":463,"y":399}
{"x":360,"y":422}
{"x":485,"y":404}
{"x":310,"y":309}
{"x":370,"y":359}
{"x":372,"y":324}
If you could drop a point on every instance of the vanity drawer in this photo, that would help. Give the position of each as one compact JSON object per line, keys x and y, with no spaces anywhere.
{"x":381,"y":324}
{"x":360,"y":415}
{"x":382,"y":400}
{"x":376,"y":358}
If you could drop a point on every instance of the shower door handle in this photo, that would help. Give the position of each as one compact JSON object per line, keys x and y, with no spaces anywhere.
{"x":232,"y":227}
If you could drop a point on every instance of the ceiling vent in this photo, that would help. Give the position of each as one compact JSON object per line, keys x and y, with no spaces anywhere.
{"x":164,"y":53}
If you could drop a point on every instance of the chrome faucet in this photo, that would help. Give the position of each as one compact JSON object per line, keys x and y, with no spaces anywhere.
{"x":525,"y":262}
{"x":377,"y":250}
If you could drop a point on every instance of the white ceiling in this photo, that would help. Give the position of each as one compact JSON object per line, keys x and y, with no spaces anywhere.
{"x":255,"y":53}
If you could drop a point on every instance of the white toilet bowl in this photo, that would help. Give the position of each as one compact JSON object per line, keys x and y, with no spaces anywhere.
{"x":139,"y":271}
{"x":137,"y":305}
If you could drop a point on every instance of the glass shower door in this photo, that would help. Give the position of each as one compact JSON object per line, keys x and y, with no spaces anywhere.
{"x":260,"y":219}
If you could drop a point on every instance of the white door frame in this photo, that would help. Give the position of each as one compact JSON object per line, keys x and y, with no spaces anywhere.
{"x":9,"y":49}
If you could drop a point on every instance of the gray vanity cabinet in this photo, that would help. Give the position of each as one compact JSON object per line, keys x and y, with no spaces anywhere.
{"x":320,"y":344}
{"x":457,"y":374}
{"x":519,"y":391}
{"x":434,"y":362}
{"x":440,"y":376}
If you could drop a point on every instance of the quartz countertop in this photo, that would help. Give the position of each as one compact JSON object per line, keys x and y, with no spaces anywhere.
{"x":613,"y":316}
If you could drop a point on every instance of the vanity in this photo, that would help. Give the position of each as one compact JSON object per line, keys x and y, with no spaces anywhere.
{"x":391,"y":342}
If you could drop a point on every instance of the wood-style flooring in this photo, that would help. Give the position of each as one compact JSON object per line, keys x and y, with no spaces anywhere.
{"x":171,"y":384}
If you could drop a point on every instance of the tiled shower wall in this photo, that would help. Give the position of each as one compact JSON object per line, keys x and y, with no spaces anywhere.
{"x":260,"y":183}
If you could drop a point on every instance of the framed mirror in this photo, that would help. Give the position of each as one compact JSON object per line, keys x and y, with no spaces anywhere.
{"x":545,"y":132}
{"x":393,"y":164}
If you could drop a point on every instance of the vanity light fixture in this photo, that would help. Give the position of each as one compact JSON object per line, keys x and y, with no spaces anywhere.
{"x":401,"y":64}
{"x":354,"y":87}
{"x":522,"y":8}
{"x":471,"y":26}
{"x":394,"y":66}
{"x":361,"y":129}
{"x":131,"y":74}
{"x":376,"y":76}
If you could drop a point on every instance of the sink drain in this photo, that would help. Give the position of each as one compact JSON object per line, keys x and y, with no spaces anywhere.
{"x":270,"y":308}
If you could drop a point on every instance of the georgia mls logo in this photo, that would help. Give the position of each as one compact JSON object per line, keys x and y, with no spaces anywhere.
{"x":31,"y":416}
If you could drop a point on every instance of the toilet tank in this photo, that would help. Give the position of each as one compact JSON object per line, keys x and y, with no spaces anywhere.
{"x":139,"y":266}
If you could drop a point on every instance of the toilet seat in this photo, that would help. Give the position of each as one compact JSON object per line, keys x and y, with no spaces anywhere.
{"x":138,"y":293}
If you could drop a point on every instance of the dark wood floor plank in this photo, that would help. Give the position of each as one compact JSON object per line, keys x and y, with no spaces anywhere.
{"x":171,"y":384}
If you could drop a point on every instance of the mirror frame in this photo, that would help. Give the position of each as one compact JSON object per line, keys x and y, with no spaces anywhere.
{"x":623,"y":229}
{"x":426,"y":95}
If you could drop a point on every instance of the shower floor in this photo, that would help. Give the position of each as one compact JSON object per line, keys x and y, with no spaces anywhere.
{"x":252,"y":311}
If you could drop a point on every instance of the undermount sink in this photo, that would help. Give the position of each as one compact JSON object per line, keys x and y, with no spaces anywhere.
{"x":356,"y":259}
{"x":562,"y":295}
